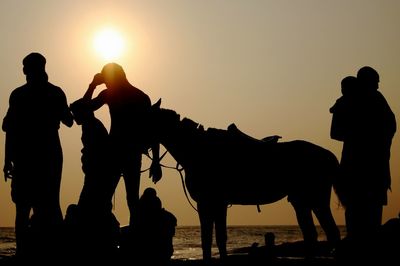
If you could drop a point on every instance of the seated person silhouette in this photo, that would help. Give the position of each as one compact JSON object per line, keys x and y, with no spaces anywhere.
{"x":92,"y":220}
{"x":387,"y":245}
{"x":153,"y":237}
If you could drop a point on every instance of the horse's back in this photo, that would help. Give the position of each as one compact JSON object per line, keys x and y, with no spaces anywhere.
{"x":265,"y":173}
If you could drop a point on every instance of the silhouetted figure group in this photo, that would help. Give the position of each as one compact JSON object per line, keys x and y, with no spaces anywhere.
{"x":364,"y":122}
{"x":33,"y":161}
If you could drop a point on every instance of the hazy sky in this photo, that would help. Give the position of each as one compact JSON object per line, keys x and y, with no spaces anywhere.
{"x":271,"y":67}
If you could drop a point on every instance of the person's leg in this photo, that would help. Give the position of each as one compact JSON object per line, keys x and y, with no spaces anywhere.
{"x":22,"y":229}
{"x":375,"y":217}
{"x":131,"y":175}
{"x":350,"y":221}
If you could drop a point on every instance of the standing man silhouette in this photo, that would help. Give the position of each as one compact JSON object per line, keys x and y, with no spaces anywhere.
{"x":129,"y":109}
{"x":33,"y":154}
{"x":365,"y":171}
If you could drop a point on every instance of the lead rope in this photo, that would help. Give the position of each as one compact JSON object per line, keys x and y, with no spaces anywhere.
{"x":141,"y":171}
{"x":178,"y":168}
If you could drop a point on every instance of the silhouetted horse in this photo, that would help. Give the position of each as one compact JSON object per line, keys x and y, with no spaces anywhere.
{"x":224,"y":167}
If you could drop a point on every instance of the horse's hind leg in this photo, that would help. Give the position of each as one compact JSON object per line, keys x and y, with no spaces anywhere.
{"x":209,"y":214}
{"x":307,"y":226}
{"x":328,"y":224}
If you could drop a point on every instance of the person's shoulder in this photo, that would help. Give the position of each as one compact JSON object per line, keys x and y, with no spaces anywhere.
{"x":141,"y":93}
{"x":53,"y":86}
{"x":338,"y":105}
{"x":55,"y":89}
{"x":380,"y":96}
{"x":19,"y":89}
{"x":380,"y":99}
{"x":18,"y":93}
{"x":168,"y":215}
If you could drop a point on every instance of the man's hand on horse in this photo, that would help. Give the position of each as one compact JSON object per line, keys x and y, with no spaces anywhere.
{"x":155,"y":172}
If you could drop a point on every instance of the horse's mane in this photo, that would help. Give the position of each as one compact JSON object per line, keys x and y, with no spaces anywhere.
{"x":170,"y":112}
{"x":191,"y":126}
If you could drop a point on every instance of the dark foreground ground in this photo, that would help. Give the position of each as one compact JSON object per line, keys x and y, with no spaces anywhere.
{"x":287,"y":254}
{"x":232,"y":260}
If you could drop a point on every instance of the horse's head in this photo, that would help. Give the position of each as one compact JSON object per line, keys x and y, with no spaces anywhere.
{"x":164,"y":121}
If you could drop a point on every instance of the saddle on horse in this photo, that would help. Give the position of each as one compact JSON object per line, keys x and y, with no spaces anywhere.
{"x":232,"y":128}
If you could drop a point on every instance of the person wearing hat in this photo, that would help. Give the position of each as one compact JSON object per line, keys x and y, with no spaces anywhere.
{"x":33,"y":154}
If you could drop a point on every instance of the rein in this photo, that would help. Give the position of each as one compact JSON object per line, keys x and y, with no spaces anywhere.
{"x":148,"y":156}
{"x":178,"y":168}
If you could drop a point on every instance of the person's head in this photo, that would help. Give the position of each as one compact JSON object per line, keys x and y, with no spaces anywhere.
{"x":113,"y":74}
{"x":348,"y":85}
{"x":150,"y":199}
{"x":81,"y":111}
{"x":368,"y":78}
{"x":149,"y":193}
{"x":269,"y":238}
{"x":34,"y":63}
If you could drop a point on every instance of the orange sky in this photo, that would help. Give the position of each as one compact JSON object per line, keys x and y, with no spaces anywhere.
{"x":271,"y":67}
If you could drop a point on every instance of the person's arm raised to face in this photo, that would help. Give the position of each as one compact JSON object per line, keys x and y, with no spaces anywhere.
{"x":97,"y":102}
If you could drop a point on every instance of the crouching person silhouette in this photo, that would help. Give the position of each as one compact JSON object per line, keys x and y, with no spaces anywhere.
{"x":91,"y":221}
{"x":152,"y":238}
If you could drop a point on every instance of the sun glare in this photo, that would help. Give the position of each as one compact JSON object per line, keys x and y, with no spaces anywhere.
{"x":109,"y":44}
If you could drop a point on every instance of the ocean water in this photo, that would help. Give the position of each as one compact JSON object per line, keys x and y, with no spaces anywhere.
{"x":187,"y":241}
{"x":7,"y":241}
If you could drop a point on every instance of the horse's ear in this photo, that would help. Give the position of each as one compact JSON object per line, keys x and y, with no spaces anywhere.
{"x":157,"y":104}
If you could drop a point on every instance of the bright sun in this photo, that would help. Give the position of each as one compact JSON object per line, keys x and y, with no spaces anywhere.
{"x":109,"y":44}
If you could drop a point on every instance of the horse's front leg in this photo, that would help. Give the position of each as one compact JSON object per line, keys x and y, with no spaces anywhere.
{"x":206,"y":225}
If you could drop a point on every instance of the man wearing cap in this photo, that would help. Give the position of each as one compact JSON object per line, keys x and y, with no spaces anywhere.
{"x":33,"y":153}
